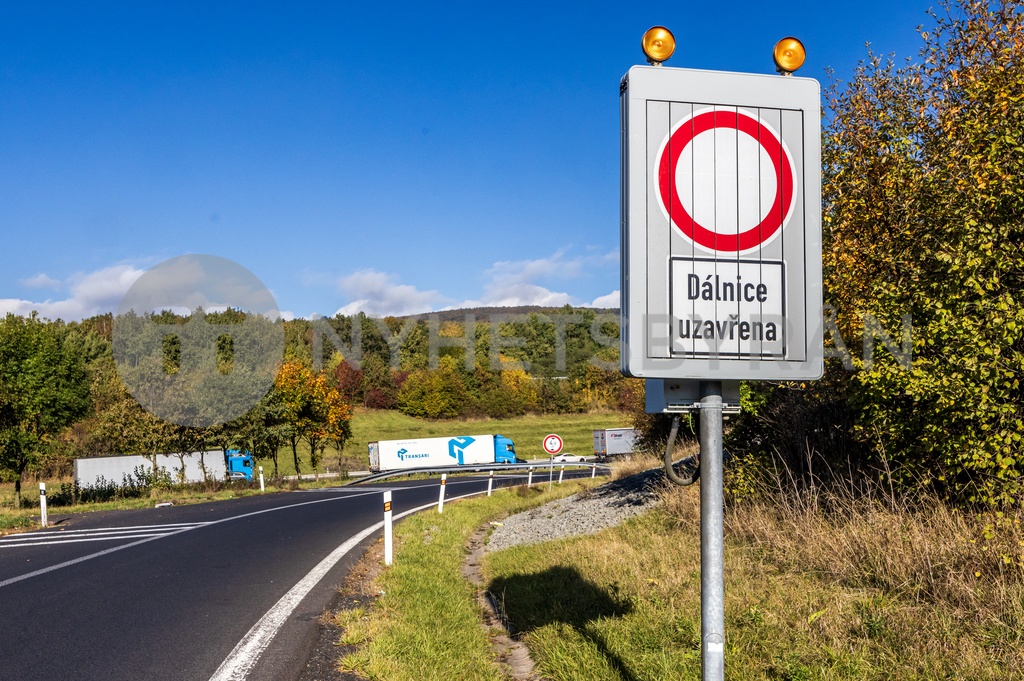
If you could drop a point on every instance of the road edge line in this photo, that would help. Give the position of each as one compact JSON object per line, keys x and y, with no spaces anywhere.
{"x":244,"y":656}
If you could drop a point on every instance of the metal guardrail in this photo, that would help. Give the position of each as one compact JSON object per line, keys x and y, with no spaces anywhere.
{"x":604,"y":469}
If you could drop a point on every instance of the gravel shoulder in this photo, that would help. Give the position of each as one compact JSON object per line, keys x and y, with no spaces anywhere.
{"x":586,"y":513}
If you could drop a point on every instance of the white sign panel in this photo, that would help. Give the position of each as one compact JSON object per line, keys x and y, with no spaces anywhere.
{"x":721,"y":225}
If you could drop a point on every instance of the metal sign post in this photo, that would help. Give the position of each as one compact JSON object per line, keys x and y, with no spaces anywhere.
{"x":712,"y":564}
{"x":721,"y":259}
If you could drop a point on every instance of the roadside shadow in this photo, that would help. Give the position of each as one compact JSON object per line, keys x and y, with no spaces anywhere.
{"x":558,"y":595}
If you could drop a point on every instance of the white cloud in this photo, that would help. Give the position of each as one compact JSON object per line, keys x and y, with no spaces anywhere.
{"x":507,"y":283}
{"x":91,"y":294}
{"x":556,"y":266}
{"x":41,"y":280}
{"x":613,"y":299}
{"x":513,"y":283}
{"x":518,"y":294}
{"x":379,"y":293}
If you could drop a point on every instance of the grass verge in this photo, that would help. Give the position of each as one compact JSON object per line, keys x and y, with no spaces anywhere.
{"x":426,"y":622}
{"x":860,"y":590}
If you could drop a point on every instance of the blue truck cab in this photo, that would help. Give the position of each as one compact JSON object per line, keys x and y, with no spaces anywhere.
{"x":239,"y":464}
{"x":504,"y":450}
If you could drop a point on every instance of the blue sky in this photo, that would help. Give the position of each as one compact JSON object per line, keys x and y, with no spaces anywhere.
{"x":393,"y":157}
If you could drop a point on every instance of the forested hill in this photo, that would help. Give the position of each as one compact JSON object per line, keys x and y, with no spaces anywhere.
{"x":496,"y":362}
{"x":483,"y":313}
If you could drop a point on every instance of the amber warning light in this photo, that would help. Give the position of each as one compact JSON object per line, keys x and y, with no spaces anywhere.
{"x":789,"y":55}
{"x":658,"y":44}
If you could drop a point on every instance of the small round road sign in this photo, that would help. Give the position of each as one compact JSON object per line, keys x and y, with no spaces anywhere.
{"x":725,"y":180}
{"x":552,"y":444}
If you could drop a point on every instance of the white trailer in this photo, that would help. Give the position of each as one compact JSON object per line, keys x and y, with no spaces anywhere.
{"x":113,"y":469}
{"x":430,"y":452}
{"x":613,"y":441}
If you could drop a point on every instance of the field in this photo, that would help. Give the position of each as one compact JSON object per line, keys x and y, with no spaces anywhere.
{"x":527,"y":432}
{"x":367,"y":426}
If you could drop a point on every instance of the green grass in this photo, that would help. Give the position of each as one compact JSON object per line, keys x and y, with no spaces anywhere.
{"x":426,"y":623}
{"x":576,"y":430}
{"x":25,"y":518}
{"x":370,"y":425}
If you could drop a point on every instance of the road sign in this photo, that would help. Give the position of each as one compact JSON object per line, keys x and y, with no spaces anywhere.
{"x":731,"y":142}
{"x":552,"y":444}
{"x":721,"y":213}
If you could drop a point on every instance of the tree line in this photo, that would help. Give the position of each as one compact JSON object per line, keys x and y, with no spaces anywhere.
{"x":62,"y":393}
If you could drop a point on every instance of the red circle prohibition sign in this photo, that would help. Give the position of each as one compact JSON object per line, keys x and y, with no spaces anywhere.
{"x":686,"y":223}
{"x":552,"y":444}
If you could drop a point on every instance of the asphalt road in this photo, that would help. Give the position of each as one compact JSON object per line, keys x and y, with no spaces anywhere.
{"x":167,"y":593}
{"x":173,"y":593}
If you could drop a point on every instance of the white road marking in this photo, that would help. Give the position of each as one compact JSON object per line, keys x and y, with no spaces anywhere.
{"x":243,"y":658}
{"x":41,"y":533}
{"x":82,"y":540}
{"x":96,"y":534}
{"x":122,"y":547}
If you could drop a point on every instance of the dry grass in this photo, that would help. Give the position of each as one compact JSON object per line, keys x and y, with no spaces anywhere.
{"x":816,"y":588}
{"x":926,"y":582}
{"x":929,"y":554}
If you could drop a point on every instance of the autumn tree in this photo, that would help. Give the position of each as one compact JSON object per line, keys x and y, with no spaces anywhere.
{"x":439,"y":393}
{"x":314,"y":411}
{"x":923,"y":222}
{"x":379,"y":388}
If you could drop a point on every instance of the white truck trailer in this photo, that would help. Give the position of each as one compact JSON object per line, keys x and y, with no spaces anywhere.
{"x":431,"y":452}
{"x":613,"y":441}
{"x":217,"y":466}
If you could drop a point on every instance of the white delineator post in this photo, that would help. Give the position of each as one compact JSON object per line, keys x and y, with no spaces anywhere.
{"x":593,"y":471}
{"x":529,"y":478}
{"x":262,"y":488}
{"x":388,"y":537}
{"x":440,"y":499}
{"x":490,"y":483}
{"x":42,"y":504}
{"x":561,"y":472}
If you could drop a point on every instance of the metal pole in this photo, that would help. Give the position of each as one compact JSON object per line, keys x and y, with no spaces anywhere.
{"x":389,"y":550}
{"x":490,"y":482}
{"x":712,"y":572}
{"x":42,"y":504}
{"x":440,"y":499}
{"x":551,"y":469}
{"x":262,"y":488}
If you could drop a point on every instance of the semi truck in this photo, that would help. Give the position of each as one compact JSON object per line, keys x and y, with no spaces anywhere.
{"x":214,"y":464}
{"x":430,"y":452}
{"x":613,"y":441}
